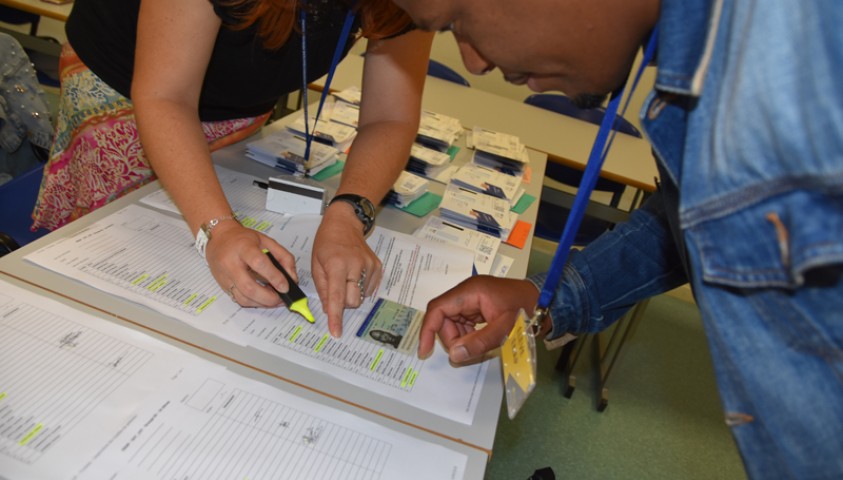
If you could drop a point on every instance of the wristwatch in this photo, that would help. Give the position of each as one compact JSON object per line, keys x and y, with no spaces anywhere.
{"x":363,"y":208}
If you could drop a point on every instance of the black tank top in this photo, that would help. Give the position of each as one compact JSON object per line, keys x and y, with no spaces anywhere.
{"x":243,"y":79}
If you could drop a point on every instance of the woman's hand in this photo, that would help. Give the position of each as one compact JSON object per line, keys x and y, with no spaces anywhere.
{"x":345,"y":269}
{"x":394,"y":74}
{"x":237,"y":262}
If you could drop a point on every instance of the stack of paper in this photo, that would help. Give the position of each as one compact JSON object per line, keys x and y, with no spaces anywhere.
{"x":345,"y":113}
{"x":485,"y":247}
{"x":438,"y":131}
{"x":489,"y":181}
{"x":427,"y":162}
{"x":407,"y":189}
{"x":325,"y":131}
{"x":477,"y":211}
{"x":285,"y":151}
{"x":350,"y":95}
{"x":500,"y":151}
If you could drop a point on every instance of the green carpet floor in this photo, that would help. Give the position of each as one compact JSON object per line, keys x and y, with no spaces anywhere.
{"x":663,"y":419}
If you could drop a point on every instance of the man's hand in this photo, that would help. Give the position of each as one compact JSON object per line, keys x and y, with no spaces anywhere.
{"x":456,"y":314}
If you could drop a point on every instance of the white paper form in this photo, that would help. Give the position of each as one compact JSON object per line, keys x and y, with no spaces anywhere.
{"x":148,"y":257}
{"x":83,"y":398}
{"x":448,"y":267}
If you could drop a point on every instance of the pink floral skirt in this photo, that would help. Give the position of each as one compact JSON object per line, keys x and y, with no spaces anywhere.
{"x":96,"y":156}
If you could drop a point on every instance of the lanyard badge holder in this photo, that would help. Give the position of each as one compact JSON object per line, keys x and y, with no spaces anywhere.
{"x":288,"y":194}
{"x":346,"y":30}
{"x":518,"y":353}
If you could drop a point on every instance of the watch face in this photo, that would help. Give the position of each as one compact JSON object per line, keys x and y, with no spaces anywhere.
{"x":363,"y":208}
{"x":367,"y":206}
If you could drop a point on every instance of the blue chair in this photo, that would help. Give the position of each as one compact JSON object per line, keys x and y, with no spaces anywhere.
{"x":552,"y":216}
{"x":17,"y":199}
{"x":561,"y":104}
{"x":439,"y":70}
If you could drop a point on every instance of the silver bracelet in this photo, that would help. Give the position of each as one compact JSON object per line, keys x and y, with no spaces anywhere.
{"x":203,"y":236}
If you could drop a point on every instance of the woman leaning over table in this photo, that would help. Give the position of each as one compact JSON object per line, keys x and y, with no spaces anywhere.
{"x":202,"y":74}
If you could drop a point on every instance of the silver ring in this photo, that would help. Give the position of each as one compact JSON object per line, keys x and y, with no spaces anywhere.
{"x":361,"y":283}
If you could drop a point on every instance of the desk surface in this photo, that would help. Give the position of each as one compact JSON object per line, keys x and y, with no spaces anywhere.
{"x":392,"y":218}
{"x":40,"y":7}
{"x":475,"y":440}
{"x":561,"y":138}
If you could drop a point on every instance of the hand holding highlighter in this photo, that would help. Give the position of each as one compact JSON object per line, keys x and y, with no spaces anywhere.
{"x":295,"y":299}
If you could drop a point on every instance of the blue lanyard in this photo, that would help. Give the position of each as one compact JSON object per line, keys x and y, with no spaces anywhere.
{"x":599,"y":150}
{"x":346,"y":30}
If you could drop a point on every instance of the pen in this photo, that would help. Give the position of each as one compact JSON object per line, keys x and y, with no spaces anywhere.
{"x":295,"y":299}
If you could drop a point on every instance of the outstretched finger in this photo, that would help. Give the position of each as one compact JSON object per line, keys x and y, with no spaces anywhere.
{"x":431,"y":325}
{"x":334,"y":302}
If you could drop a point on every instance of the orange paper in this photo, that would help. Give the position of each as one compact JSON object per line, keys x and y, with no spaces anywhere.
{"x":528,"y":175}
{"x":520,"y":232}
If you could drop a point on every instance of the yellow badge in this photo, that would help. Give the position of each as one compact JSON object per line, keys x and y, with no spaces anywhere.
{"x":518,"y":356}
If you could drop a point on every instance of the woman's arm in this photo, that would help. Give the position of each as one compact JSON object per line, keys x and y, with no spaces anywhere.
{"x":393,"y":80}
{"x":174,"y":45}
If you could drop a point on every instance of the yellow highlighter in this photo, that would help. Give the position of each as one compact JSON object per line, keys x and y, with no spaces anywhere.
{"x":295,"y":299}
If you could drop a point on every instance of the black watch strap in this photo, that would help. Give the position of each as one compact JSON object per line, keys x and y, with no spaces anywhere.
{"x":363,"y":208}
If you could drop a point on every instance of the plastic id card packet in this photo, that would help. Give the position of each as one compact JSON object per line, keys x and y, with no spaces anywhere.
{"x":518,"y":356}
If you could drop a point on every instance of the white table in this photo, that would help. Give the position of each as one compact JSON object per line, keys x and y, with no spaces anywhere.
{"x":563,"y":139}
{"x":475,"y":440}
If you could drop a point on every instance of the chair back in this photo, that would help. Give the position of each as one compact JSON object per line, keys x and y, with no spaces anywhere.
{"x":564,"y":105}
{"x":19,"y":17}
{"x":439,"y":70}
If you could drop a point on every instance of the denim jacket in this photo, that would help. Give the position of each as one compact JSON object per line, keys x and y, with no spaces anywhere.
{"x":746,"y":123}
{"x":779,"y":208}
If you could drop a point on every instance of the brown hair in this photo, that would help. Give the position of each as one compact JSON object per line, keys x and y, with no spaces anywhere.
{"x":276,"y":19}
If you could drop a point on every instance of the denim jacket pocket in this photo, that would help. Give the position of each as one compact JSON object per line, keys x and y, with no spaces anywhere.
{"x":772,"y":243}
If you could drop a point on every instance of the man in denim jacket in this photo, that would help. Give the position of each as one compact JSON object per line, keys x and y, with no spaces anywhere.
{"x":746,"y":122}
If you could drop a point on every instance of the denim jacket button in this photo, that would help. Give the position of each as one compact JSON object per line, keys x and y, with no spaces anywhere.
{"x":656,"y":106}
